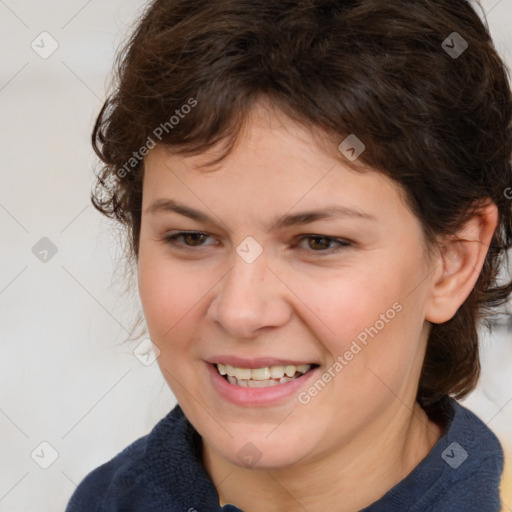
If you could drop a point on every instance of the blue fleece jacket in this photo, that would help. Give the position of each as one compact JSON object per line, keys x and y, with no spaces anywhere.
{"x":163,"y":472}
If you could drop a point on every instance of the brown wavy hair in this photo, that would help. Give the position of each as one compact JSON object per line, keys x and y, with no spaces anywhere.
{"x":438,"y":124}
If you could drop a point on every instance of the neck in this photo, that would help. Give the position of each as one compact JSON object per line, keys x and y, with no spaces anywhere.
{"x":346,"y":479}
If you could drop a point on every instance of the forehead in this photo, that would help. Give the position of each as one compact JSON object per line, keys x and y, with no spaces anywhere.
{"x":274,"y":165}
{"x":266,"y":128}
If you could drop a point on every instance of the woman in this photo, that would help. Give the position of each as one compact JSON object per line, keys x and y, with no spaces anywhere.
{"x":315,"y":194}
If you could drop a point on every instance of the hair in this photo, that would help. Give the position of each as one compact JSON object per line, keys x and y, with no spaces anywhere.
{"x":438,"y":124}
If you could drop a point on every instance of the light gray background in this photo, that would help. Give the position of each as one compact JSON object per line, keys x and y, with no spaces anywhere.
{"x":67,"y":377}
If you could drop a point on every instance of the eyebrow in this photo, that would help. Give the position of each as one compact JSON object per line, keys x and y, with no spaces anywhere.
{"x":286,"y":221}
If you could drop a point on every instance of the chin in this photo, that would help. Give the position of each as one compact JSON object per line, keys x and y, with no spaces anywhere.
{"x":260,"y":453}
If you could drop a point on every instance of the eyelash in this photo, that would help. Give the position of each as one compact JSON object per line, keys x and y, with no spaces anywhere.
{"x":172,"y":240}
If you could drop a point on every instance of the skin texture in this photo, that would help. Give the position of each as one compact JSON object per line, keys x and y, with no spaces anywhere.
{"x":298,"y":300}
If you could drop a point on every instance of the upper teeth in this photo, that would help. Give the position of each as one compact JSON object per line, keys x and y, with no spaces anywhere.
{"x":268,"y":372}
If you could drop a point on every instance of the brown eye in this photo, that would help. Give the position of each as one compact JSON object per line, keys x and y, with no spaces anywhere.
{"x":193,"y":239}
{"x":189,"y":238}
{"x":319,"y":242}
{"x":323,"y":244}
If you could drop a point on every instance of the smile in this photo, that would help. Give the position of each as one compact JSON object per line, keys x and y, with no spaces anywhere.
{"x":262,"y":377}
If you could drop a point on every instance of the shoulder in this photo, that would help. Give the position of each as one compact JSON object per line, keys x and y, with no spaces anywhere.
{"x":469,"y":462}
{"x":467,"y":429}
{"x":127,"y":481}
{"x":461,"y":473}
{"x":473,"y":463}
{"x":90,"y":493}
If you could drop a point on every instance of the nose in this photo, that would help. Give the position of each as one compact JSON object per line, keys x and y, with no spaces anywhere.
{"x":250,"y":298}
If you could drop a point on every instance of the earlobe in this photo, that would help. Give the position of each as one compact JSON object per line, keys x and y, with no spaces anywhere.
{"x":459,"y":263}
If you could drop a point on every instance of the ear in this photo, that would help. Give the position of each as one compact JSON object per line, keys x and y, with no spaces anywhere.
{"x":458,"y":265}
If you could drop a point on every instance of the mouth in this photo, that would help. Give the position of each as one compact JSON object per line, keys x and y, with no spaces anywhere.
{"x":263,"y":377}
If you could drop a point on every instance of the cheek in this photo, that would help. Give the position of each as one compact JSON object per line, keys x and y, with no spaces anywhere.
{"x":169,"y":295}
{"x":379,"y":340}
{"x":369,"y":316}
{"x":347,"y":302}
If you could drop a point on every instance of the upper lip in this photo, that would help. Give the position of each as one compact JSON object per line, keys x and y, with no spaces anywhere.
{"x":258,"y":362}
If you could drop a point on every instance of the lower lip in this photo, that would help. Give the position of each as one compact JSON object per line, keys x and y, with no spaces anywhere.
{"x":253,"y":397}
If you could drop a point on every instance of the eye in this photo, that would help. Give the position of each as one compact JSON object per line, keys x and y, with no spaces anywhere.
{"x":191,"y":238}
{"x":316,"y":243}
{"x":322,"y":243}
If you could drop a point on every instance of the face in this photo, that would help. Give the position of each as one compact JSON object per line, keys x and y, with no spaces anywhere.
{"x":259,"y":284}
